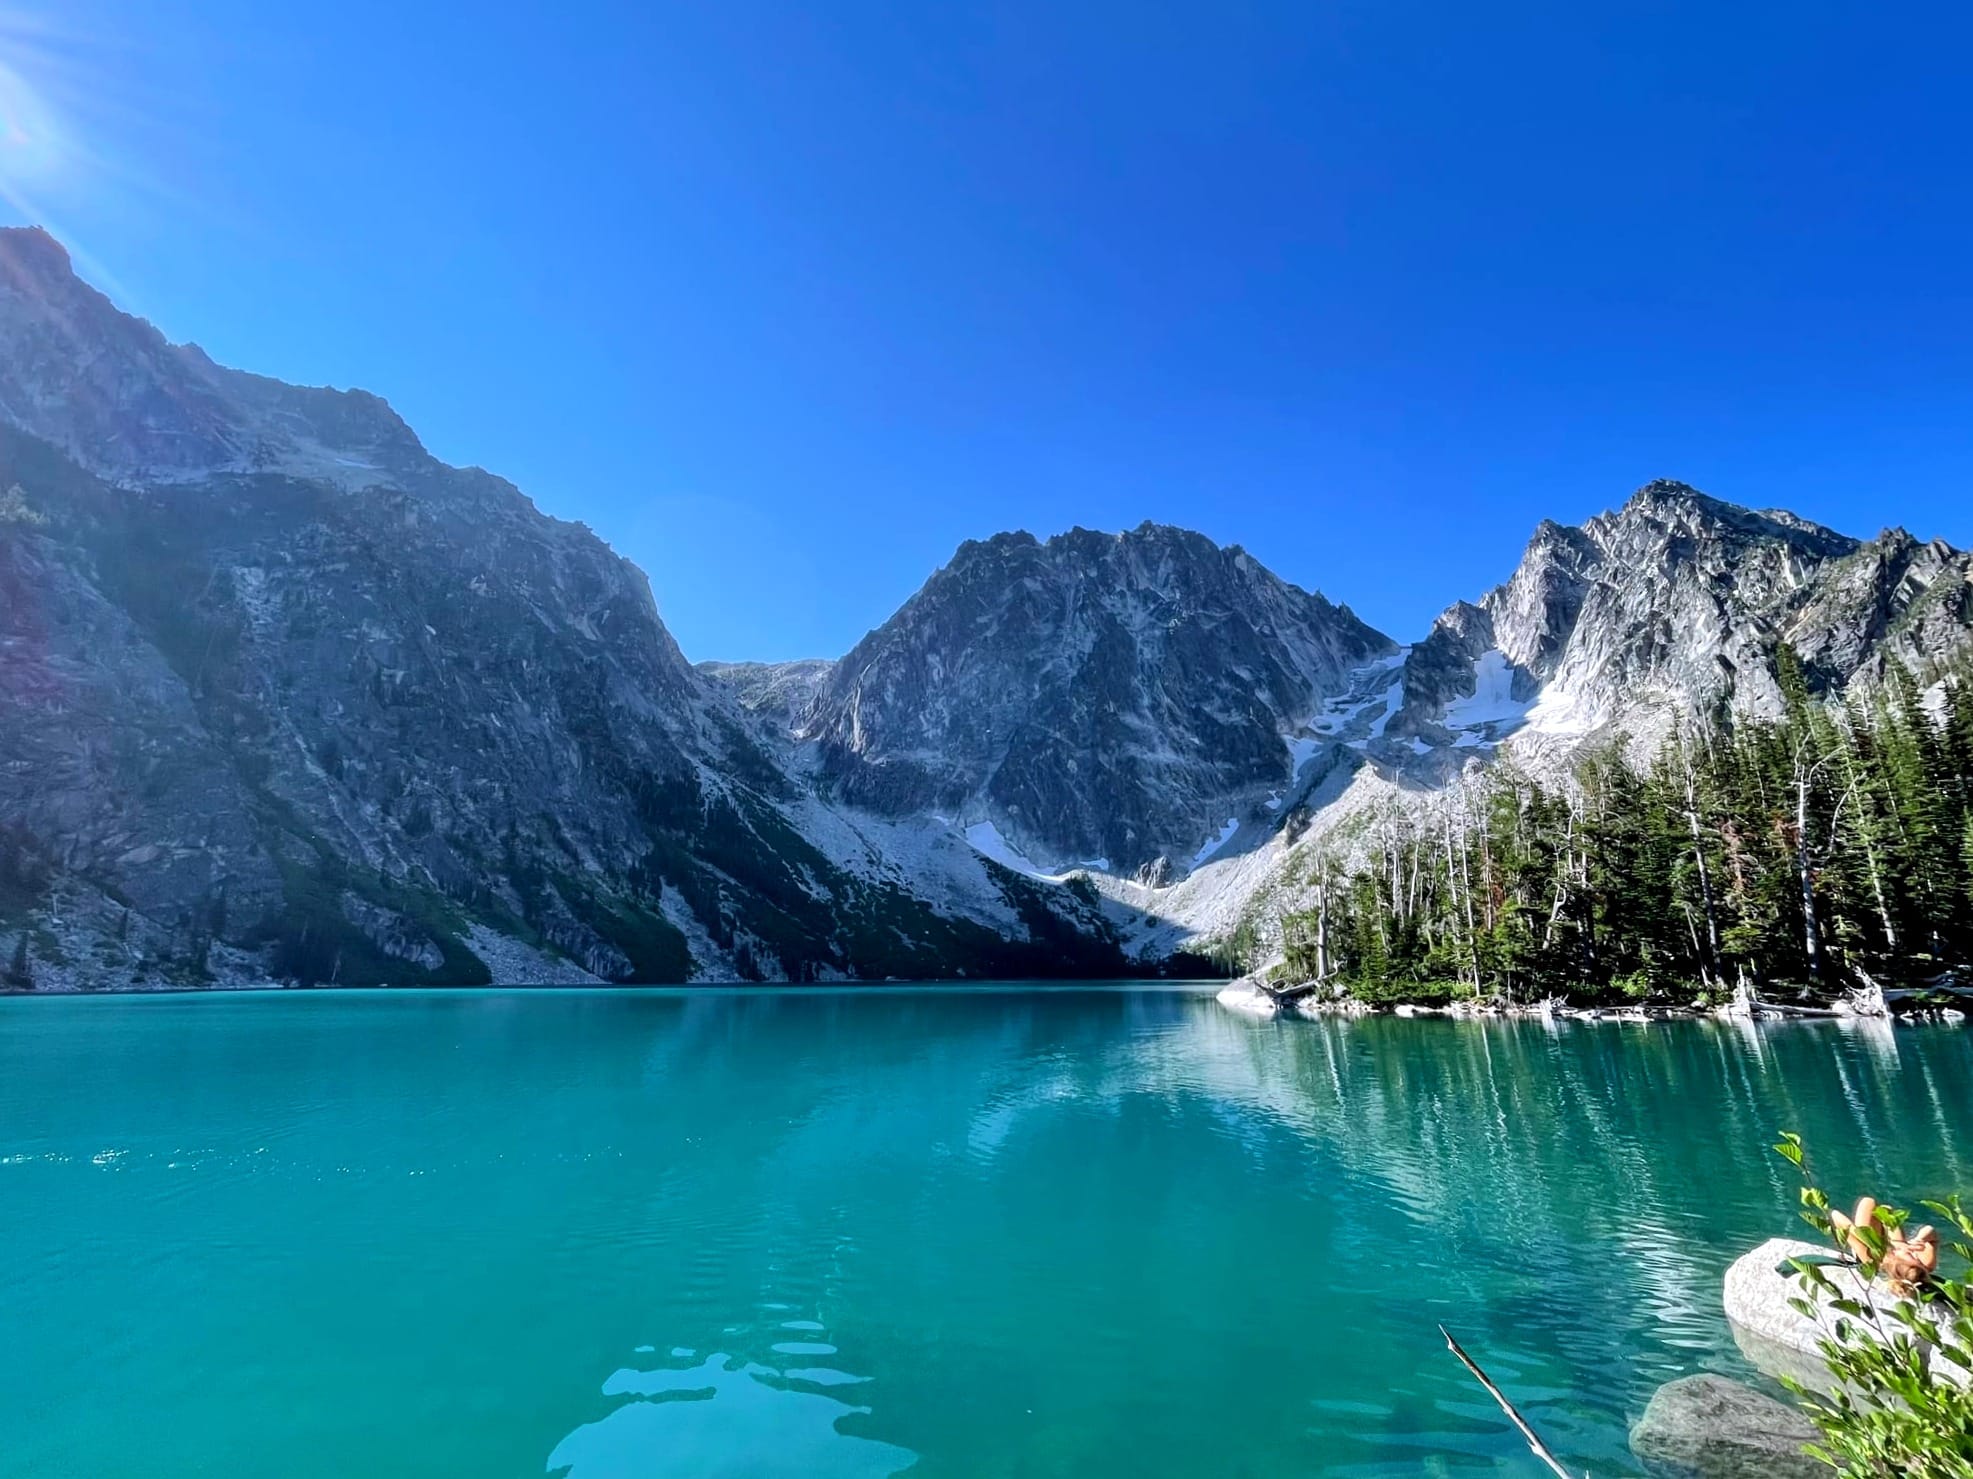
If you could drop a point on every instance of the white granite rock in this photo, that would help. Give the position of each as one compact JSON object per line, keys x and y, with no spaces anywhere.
{"x":1759,"y":1293}
{"x":1246,"y":996}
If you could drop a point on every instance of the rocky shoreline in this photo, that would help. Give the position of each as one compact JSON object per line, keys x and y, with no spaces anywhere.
{"x":1255,"y":997}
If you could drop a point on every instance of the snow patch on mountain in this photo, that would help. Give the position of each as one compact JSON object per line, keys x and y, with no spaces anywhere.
{"x":1302,"y":748}
{"x":1373,"y":693}
{"x":1560,"y":713}
{"x":1392,"y":704}
{"x":1214,"y":844}
{"x":926,"y":856}
{"x":1211,"y":902}
{"x":1491,"y":712}
{"x":985,"y":839}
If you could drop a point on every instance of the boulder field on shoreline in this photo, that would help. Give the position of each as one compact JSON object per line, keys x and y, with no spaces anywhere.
{"x":1253,"y":996}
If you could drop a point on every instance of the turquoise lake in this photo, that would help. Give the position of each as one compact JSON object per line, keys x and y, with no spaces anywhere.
{"x":1073,"y":1232}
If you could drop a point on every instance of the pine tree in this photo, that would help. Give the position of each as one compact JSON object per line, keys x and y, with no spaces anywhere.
{"x":1831,"y":839}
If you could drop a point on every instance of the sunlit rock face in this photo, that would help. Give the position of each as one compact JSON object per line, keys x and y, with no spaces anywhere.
{"x":1683,"y":600}
{"x":1677,"y":605}
{"x":1892,"y":598}
{"x":1093,"y":696}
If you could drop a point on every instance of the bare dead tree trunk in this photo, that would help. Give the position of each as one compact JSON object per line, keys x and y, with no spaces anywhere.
{"x":1466,"y":893}
{"x":1417,"y":860}
{"x":1391,"y":868}
{"x":1322,"y":925}
{"x":1711,"y":952}
{"x":1877,"y":890}
{"x":1804,"y":862}
{"x":1870,"y":856}
{"x":1561,"y":899}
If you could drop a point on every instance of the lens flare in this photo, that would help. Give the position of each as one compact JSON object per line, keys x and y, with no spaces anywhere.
{"x":56,"y":99}
{"x":30,"y":141}
{"x":34,"y":154}
{"x":94,"y":119}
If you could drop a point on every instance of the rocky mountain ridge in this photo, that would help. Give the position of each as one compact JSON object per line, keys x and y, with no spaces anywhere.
{"x":1674,"y":606}
{"x":113,"y":395}
{"x":270,"y":713}
{"x":284,"y":697}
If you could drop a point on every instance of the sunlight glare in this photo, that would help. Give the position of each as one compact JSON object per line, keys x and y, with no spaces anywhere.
{"x":38,"y":151}
{"x":53,"y":90}
{"x":29,"y":140}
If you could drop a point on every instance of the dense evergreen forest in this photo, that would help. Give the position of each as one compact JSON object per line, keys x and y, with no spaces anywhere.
{"x":1808,"y":851}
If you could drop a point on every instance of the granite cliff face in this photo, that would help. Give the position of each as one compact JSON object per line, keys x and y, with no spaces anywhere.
{"x":284,"y":697}
{"x":111,"y":394}
{"x":1096,"y":699}
{"x":1673,"y":608}
{"x":1676,"y":605}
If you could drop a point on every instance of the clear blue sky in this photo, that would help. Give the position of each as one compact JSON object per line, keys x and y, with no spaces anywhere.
{"x":786,"y":300}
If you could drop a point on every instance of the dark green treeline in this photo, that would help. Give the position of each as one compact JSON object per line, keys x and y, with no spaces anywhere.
{"x":1814,"y":849}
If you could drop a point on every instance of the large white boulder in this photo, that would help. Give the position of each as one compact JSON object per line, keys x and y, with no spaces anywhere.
{"x":1760,"y":1290}
{"x":1246,"y":996}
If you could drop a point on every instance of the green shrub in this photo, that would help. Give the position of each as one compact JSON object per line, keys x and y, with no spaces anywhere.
{"x":1902,"y":1400}
{"x":1636,"y":986}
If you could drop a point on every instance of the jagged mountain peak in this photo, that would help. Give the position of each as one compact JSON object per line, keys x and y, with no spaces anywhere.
{"x":1079,"y":540}
{"x":1674,"y":603}
{"x":1665,"y":504}
{"x":1093,"y":696}
{"x":1152,"y":556}
{"x":1005,"y":542}
{"x":1669,"y":491}
{"x":1674,"y":497}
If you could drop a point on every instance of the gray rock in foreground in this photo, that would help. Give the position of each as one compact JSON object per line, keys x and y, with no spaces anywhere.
{"x":1708,"y":1427}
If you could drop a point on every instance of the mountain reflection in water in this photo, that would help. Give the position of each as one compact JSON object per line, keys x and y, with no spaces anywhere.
{"x":1000,"y":1233}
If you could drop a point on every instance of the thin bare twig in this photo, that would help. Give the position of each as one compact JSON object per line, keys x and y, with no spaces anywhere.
{"x":1541,"y":1450}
